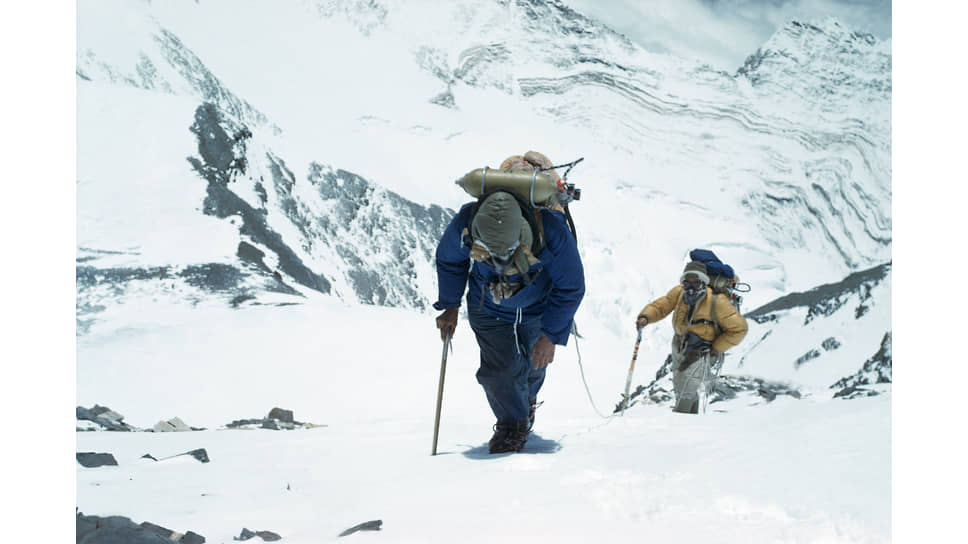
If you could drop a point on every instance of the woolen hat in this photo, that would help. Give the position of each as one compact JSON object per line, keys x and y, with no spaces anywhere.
{"x":697,"y":269}
{"x":499,"y":224}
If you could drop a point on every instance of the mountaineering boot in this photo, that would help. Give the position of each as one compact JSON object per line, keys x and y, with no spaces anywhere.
{"x":518,"y":435}
{"x":496,"y":442}
{"x":509,"y":437}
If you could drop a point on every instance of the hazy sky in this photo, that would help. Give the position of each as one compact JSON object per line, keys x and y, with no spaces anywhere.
{"x":723,"y":33}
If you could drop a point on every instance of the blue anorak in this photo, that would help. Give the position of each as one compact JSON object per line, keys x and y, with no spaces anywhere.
{"x":553,"y":297}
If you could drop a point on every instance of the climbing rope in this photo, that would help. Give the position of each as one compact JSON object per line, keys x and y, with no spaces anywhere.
{"x":588,"y":391}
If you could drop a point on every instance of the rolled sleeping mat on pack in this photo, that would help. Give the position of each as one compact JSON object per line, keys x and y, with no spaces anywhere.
{"x":536,"y":188}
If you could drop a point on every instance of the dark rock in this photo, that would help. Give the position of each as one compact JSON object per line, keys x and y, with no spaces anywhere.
{"x":828,"y":298}
{"x":239,"y":299}
{"x":278,"y":419}
{"x":85,"y":524}
{"x":121,"y":530}
{"x":191,"y":537}
{"x":375,"y":525}
{"x":250,"y":253}
{"x":222,"y":159}
{"x":730,"y":386}
{"x":761,"y":319}
{"x":199,"y":454}
{"x":214,"y":277}
{"x":83,"y":413}
{"x":770,"y":396}
{"x":445,"y":99}
{"x":812,"y":354}
{"x":244,"y":535}
{"x":268,"y":536}
{"x":123,"y":535}
{"x":103,"y":416}
{"x":91,"y":459}
{"x":830,"y":344}
{"x":281,"y":414}
{"x":853,"y":392}
{"x":876,"y":369}
{"x":157,"y":529}
{"x":238,"y":423}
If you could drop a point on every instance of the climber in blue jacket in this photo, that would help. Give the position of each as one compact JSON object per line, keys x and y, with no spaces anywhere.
{"x":518,"y":317}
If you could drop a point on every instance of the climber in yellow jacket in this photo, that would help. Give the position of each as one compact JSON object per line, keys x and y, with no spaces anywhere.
{"x":706,"y":324}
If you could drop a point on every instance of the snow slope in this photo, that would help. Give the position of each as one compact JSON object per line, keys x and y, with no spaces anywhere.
{"x":812,"y":470}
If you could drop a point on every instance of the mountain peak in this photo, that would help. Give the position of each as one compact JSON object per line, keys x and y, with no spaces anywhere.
{"x":820,"y":60}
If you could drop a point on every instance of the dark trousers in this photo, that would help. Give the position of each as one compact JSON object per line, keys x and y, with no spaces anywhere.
{"x":507,"y":374}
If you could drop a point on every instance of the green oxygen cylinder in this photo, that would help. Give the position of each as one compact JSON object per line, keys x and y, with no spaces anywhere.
{"x":536,"y":188}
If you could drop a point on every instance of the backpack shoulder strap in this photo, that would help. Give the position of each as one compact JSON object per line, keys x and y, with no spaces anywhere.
{"x":539,"y":222}
{"x":712,"y":314}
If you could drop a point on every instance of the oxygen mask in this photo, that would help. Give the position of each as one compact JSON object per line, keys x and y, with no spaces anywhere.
{"x":693,"y":290}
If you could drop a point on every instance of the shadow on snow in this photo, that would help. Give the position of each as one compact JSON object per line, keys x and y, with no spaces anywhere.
{"x":535,"y":444}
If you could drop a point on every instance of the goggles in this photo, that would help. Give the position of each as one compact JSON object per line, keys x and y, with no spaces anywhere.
{"x":501,"y":263}
{"x":693,"y":285}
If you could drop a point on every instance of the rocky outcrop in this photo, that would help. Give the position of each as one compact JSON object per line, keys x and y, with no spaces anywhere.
{"x":875,"y":370}
{"x":121,"y":530}
{"x":103,"y":418}
{"x":826,"y":299}
{"x":222,"y":159}
{"x":278,"y":419}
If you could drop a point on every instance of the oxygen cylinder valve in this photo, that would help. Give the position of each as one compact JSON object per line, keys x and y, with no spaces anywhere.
{"x":568,"y":192}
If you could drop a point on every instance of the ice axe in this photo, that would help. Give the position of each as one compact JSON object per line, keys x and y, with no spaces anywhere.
{"x":628,"y":381}
{"x":440,"y":391}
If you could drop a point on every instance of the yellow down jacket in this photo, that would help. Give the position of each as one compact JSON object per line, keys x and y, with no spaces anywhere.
{"x":732,"y":325}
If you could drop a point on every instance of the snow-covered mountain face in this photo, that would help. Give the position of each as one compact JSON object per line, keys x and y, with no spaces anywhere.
{"x":248,"y":153}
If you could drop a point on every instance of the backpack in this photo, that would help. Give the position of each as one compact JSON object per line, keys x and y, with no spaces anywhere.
{"x":722,"y":278}
{"x":533,"y":189}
